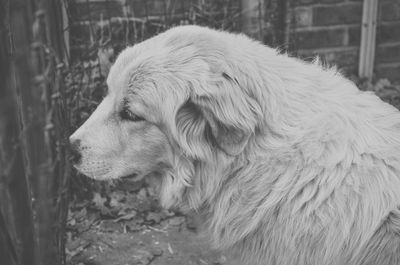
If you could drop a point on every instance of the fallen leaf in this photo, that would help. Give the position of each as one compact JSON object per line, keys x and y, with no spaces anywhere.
{"x":142,"y":194}
{"x":98,"y":200}
{"x":155,"y":217}
{"x":177,"y":220}
{"x":126,"y":217}
{"x":110,"y":226}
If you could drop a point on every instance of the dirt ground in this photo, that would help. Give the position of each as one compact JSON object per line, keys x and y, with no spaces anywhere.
{"x":124,"y":225}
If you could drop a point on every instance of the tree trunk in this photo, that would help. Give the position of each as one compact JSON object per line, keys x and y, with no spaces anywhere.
{"x":16,"y":223}
{"x":34,"y":168}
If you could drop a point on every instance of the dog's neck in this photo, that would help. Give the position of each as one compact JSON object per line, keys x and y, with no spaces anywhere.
{"x":225,"y":185}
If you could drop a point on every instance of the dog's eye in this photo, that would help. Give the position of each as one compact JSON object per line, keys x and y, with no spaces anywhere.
{"x":126,"y":114}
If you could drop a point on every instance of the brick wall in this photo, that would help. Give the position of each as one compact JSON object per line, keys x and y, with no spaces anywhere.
{"x":125,"y":22}
{"x":332,"y":29}
{"x":119,"y":22}
{"x":329,"y":28}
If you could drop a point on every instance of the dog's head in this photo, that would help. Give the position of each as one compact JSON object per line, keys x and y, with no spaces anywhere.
{"x":172,"y":100}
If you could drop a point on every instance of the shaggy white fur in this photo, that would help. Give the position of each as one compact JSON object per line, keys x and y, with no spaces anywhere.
{"x":287,"y":161}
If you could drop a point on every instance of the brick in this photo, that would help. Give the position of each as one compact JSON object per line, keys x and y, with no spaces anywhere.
{"x":304,"y":2}
{"x":319,"y":38}
{"x":330,"y":1}
{"x":303,"y":17}
{"x":354,"y":36}
{"x":388,"y":54}
{"x":391,"y":72}
{"x":140,"y":8}
{"x":311,"y":2}
{"x":121,"y":32}
{"x":343,"y":58}
{"x":336,"y":15}
{"x":93,"y":11}
{"x":390,"y":11}
{"x":388,"y":33}
{"x":137,"y":8}
{"x":349,"y":71}
{"x":181,"y":6}
{"x":157,"y":7}
{"x":130,"y":32}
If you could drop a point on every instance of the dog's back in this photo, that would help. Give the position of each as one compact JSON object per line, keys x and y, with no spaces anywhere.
{"x":324,"y":188}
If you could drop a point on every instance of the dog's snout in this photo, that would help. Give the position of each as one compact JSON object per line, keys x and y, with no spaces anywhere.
{"x":76,"y":155}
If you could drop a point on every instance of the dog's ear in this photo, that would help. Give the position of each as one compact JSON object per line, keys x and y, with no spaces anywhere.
{"x":220,"y":116}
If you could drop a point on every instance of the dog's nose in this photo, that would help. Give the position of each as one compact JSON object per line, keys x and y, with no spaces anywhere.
{"x":76,"y":155}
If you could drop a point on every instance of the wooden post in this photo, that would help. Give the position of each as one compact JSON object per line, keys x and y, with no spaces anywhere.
{"x":368,"y":34}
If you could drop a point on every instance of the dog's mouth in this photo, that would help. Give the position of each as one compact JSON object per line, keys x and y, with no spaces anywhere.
{"x":103,"y":171}
{"x":96,"y":171}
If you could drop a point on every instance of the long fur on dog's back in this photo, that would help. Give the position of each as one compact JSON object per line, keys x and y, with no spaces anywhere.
{"x":309,"y":170}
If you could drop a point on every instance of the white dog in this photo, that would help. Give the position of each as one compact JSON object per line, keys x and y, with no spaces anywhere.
{"x":288,"y":162}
